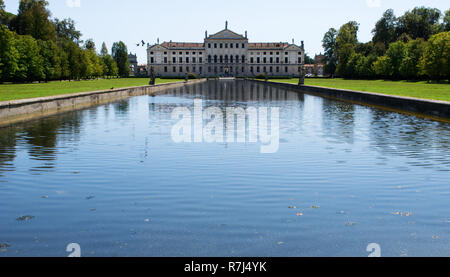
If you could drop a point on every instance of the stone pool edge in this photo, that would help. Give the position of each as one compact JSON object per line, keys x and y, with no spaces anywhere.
{"x":16,"y":111}
{"x":433,"y":108}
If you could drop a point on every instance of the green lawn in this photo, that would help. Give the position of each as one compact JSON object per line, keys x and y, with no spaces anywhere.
{"x":23,"y":91}
{"x":403,"y":88}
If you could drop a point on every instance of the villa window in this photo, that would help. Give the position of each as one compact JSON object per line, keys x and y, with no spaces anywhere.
{"x":187,"y":59}
{"x":209,"y":69}
{"x":193,"y":60}
{"x":165,"y":69}
{"x":181,"y":69}
{"x":257,"y":69}
{"x":215,"y":45}
{"x":152,"y":60}
{"x":165,"y":59}
{"x":226,"y":45}
{"x":243,"y":45}
{"x":258,"y":60}
{"x":187,"y":68}
{"x":271,"y":60}
{"x":264,"y":60}
{"x":271,"y":69}
{"x":286,"y":60}
{"x":278,"y":60}
{"x":221,"y":45}
{"x":278,"y":69}
{"x":231,"y":45}
{"x":265,"y":69}
{"x":251,"y":60}
{"x":200,"y":60}
{"x":237,"y":45}
{"x":299,"y":59}
{"x":243,"y":69}
{"x":221,"y":59}
{"x":215,"y":59}
{"x":237,"y":59}
{"x":286,"y":69}
{"x":231,"y":58}
{"x":251,"y":69}
{"x":209,"y":59}
{"x":174,"y":60}
{"x":209,"y":45}
{"x":174,"y":69}
{"x":181,"y":59}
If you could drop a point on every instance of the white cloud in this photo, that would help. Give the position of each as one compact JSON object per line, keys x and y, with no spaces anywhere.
{"x":373,"y":3}
{"x":73,"y":3}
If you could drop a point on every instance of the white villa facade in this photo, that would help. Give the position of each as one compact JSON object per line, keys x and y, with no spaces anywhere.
{"x":225,"y":54}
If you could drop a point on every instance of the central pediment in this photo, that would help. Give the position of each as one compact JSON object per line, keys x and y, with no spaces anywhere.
{"x":226,"y":34}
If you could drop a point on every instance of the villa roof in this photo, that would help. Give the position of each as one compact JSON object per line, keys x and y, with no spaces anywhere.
{"x":182,"y":45}
{"x":226,"y":34}
{"x":268,"y":45}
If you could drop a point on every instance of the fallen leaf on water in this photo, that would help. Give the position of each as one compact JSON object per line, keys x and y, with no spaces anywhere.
{"x":351,"y":224}
{"x":292,"y":207}
{"x":435,"y":237}
{"x":315,"y":207}
{"x":44,"y":197}
{"x":90,"y":197}
{"x":299,"y":214}
{"x":280,"y":243}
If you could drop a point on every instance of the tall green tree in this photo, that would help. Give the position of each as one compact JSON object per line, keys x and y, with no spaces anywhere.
{"x":89,"y":45}
{"x":31,"y":63}
{"x":346,"y":41}
{"x":421,"y":22}
{"x":9,"y":56}
{"x":104,"y":50}
{"x":51,"y":59}
{"x":435,"y":62}
{"x":33,"y":18}
{"x":329,"y":45}
{"x":446,"y":24}
{"x":386,"y":28}
{"x":66,"y":29}
{"x":409,"y":68}
{"x":120,"y":55}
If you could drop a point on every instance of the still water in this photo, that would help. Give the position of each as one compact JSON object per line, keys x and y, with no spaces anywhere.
{"x":112,"y":179}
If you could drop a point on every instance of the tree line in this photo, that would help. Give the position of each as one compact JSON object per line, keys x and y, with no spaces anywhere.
{"x":34,"y":47}
{"x":414,"y":46}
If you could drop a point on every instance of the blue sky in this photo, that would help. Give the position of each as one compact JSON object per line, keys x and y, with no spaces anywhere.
{"x":265,"y":20}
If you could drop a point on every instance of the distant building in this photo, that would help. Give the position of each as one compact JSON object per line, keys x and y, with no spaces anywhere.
{"x":226,"y":53}
{"x":318,"y":68}
{"x":137,"y":70}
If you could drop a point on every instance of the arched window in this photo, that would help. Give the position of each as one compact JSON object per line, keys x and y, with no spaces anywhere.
{"x":237,"y":59}
{"x":243,"y":59}
{"x":226,"y":58}
{"x":221,"y":59}
{"x":231,"y":57}
{"x":215,"y":58}
{"x":209,"y":59}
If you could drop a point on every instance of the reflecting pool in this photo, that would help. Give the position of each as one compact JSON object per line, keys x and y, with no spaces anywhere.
{"x":113,"y":179}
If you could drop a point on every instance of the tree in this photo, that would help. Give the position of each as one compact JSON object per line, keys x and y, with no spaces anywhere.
{"x":89,"y":45}
{"x":421,"y":22}
{"x":120,"y":55}
{"x":346,"y":41}
{"x":65,"y":29}
{"x":446,"y":24}
{"x":435,"y":61}
{"x":308,"y":59}
{"x":110,"y":66}
{"x":104,"y":50}
{"x":30,"y":64}
{"x":396,"y":53}
{"x":329,"y":45}
{"x":33,"y":19}
{"x":409,"y":67}
{"x":386,"y":28}
{"x":51,"y":59}
{"x":9,"y":56}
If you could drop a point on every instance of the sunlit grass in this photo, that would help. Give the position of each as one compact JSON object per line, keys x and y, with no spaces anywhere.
{"x":421,"y":89}
{"x":23,"y":91}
